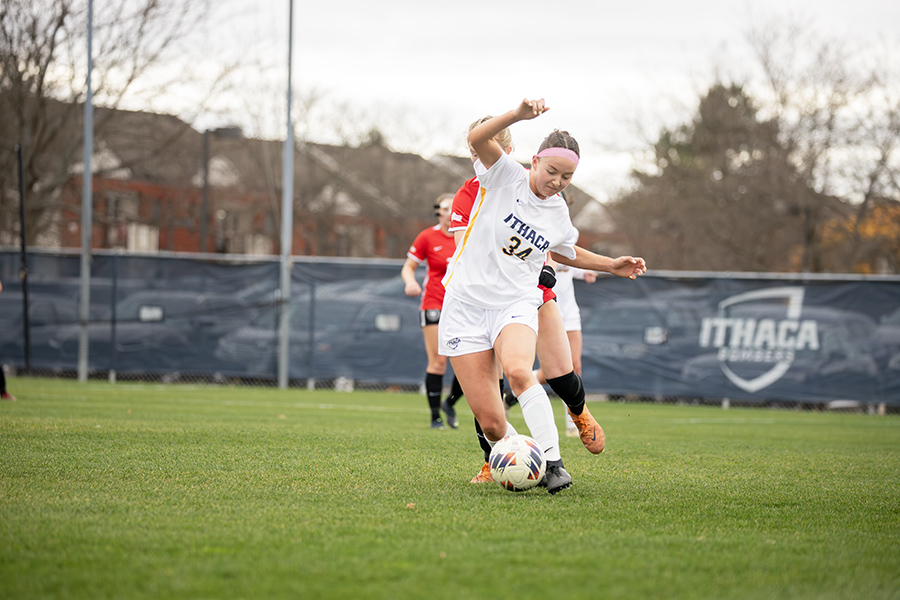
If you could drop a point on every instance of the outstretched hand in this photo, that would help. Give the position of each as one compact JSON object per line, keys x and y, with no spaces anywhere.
{"x":530,"y":109}
{"x":628,"y":266}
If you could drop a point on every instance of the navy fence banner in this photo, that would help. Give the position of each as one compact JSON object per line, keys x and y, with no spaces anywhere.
{"x":214,"y":317}
{"x":802,"y":338}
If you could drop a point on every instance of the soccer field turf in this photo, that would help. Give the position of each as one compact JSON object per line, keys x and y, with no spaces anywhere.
{"x":153,"y":491}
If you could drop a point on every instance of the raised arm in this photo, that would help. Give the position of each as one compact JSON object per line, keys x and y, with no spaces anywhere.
{"x":481,"y":138}
{"x":623,"y":266}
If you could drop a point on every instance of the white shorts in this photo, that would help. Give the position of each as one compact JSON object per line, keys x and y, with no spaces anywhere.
{"x":465,"y":329}
{"x":572,"y":319}
{"x":568,"y":308}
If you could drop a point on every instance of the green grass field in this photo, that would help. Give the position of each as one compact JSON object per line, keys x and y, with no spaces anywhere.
{"x":151,"y":491}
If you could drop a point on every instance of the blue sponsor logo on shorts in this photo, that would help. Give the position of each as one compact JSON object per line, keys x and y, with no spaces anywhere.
{"x":452,"y":344}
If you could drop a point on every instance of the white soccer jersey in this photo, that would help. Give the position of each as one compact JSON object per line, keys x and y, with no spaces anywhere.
{"x":565,"y":296}
{"x":510,"y":230}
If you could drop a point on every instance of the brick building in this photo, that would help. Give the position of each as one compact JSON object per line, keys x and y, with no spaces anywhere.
{"x":151,"y":173}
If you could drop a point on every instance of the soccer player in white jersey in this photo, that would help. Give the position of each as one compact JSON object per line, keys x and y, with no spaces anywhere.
{"x":490,"y":308}
{"x":553,"y":351}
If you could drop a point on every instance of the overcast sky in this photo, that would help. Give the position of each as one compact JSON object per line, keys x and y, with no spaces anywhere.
{"x":598,"y":65}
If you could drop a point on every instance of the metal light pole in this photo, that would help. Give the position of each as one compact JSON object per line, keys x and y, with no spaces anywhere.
{"x":23,"y":268}
{"x":287,"y":223}
{"x":87,"y":203}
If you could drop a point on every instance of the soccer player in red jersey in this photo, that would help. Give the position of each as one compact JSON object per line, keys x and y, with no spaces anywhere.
{"x":434,"y":247}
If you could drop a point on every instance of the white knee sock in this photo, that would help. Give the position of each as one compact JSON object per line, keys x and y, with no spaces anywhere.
{"x":539,"y":417}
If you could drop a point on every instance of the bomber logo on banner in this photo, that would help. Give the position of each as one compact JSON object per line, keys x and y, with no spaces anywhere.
{"x":811,"y":339}
{"x":759,"y":331}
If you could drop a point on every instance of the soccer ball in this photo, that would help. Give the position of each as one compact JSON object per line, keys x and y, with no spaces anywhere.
{"x":517,"y":463}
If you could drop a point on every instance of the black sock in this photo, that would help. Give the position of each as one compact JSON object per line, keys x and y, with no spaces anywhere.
{"x":511,"y":398}
{"x":455,"y":392}
{"x":570,"y":388}
{"x":482,"y":441}
{"x":433,"y":387}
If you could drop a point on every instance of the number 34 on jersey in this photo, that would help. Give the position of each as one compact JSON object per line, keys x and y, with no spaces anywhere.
{"x":527,"y":235}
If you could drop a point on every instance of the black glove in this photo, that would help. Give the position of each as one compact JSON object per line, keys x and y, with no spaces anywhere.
{"x":548,"y":277}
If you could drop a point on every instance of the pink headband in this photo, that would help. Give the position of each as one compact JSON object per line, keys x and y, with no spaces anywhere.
{"x":561,"y":152}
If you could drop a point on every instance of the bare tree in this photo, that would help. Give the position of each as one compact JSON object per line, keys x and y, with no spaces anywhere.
{"x":793,"y":169}
{"x":837,"y":105}
{"x":43,"y":66}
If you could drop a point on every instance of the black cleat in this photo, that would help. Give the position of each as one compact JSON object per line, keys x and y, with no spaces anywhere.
{"x":556,"y":477}
{"x":437,"y":424}
{"x":451,"y":414}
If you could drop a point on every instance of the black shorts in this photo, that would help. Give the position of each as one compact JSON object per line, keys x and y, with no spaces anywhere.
{"x":432,"y":316}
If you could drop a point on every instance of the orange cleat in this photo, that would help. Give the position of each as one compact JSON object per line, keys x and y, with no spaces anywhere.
{"x":589,"y":431}
{"x":484,"y":476}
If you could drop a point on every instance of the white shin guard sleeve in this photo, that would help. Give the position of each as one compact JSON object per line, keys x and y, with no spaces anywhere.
{"x":539,"y":417}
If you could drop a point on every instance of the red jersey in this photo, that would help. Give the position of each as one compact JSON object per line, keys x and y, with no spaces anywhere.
{"x":435,"y":248}
{"x":463,"y":202}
